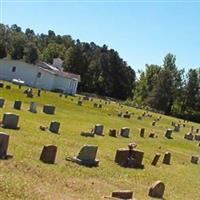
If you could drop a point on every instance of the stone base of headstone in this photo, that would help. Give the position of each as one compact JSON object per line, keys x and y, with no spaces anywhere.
{"x":123,"y":194}
{"x":157,"y":190}
{"x":155,"y":159}
{"x":48,"y":154}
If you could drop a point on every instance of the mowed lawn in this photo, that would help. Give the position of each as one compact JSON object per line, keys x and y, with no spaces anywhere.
{"x":26,"y":177}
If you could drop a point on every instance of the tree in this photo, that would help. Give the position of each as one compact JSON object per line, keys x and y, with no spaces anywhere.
{"x":31,"y":53}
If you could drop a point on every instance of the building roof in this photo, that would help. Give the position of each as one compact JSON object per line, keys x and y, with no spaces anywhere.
{"x":58,"y":72}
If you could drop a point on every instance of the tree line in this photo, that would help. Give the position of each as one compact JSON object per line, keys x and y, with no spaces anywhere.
{"x":165,"y":87}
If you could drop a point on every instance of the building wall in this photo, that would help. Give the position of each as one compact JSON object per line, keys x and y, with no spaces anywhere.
{"x":29,"y":74}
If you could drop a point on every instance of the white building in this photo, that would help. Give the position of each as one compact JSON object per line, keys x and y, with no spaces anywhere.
{"x":42,"y":75}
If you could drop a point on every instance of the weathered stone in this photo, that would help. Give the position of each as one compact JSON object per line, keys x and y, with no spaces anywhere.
{"x":167,"y":158}
{"x":87,"y":156}
{"x":2,"y":101}
{"x":33,"y":107}
{"x":189,"y":136}
{"x":157,"y":189}
{"x":113,"y":132}
{"x":194,"y":159}
{"x":1,"y":84}
{"x":17,"y":105}
{"x":54,"y":127}
{"x":123,"y":194}
{"x":155,"y":159}
{"x":142,"y":131}
{"x":49,"y":109}
{"x":10,"y":120}
{"x":4,"y":141}
{"x":168,"y":134}
{"x":125,"y":132}
{"x":98,"y":129}
{"x":48,"y":154}
{"x":197,"y":137}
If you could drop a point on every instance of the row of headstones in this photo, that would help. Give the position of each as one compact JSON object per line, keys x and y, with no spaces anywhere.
{"x":48,"y":109}
{"x":11,"y":121}
{"x":156,"y":190}
{"x":7,"y":86}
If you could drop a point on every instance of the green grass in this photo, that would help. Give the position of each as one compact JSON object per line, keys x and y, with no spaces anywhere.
{"x":25,"y":177}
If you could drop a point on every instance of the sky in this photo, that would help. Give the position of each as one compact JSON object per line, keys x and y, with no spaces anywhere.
{"x":142,"y":32}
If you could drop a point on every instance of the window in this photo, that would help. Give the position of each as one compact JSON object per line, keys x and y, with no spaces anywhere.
{"x":13,"y":69}
{"x":39,"y":74}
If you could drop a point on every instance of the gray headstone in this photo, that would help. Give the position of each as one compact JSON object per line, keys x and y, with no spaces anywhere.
{"x":10,"y":120}
{"x":157,"y":189}
{"x":48,"y":154}
{"x":2,"y":101}
{"x":4,"y":141}
{"x":33,"y":107}
{"x":17,"y":105}
{"x":125,"y":132}
{"x":168,"y":134}
{"x":88,"y":153}
{"x":49,"y":109}
{"x":177,"y":127}
{"x":98,"y":129}
{"x":194,"y":159}
{"x":54,"y":127}
{"x":189,"y":136}
{"x":197,"y":137}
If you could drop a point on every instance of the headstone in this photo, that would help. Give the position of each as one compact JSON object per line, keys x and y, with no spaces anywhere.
{"x":113,"y":132}
{"x":8,"y":87}
{"x":139,"y":118}
{"x":95,"y":105}
{"x":120,"y":114}
{"x":48,"y":154}
{"x":197,"y":130}
{"x":197,"y":137}
{"x":54,"y":127}
{"x":125,"y":132}
{"x":177,"y":127}
{"x":98,"y":129}
{"x":4,"y":141}
{"x":192,"y":128}
{"x":1,"y":84}
{"x":49,"y":109}
{"x":155,"y":159}
{"x":127,"y":115}
{"x":123,"y":194}
{"x":142,"y":131}
{"x":87,"y":155}
{"x":168,"y":134}
{"x":2,"y":101}
{"x":167,"y":158}
{"x":17,"y":105}
{"x":157,"y":189}
{"x":121,"y":156}
{"x":153,"y":123}
{"x":100,"y":105}
{"x":80,"y":102}
{"x":10,"y":120}
{"x":33,"y":107}
{"x":194,"y":159}
{"x":136,"y":158}
{"x":189,"y":136}
{"x":152,"y":135}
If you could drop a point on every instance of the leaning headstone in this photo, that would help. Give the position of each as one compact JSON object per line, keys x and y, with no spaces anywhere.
{"x":4,"y":141}
{"x":142,"y":130}
{"x":167,"y":158}
{"x":49,"y":109}
{"x":17,"y":105}
{"x":87,"y":156}
{"x":113,"y":132}
{"x":48,"y":154}
{"x":98,"y":129}
{"x":1,"y":84}
{"x":168,"y":134}
{"x":157,"y":189}
{"x":194,"y":159}
{"x":54,"y":127}
{"x":10,"y":120}
{"x":125,"y":132}
{"x":155,"y":159}
{"x":33,"y":107}
{"x":122,"y":194}
{"x":189,"y":136}
{"x":2,"y":101}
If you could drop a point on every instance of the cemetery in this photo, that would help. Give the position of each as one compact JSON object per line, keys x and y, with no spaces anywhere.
{"x":51,"y":148}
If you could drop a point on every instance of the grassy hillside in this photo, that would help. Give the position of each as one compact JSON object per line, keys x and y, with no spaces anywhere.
{"x":25,"y":177}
